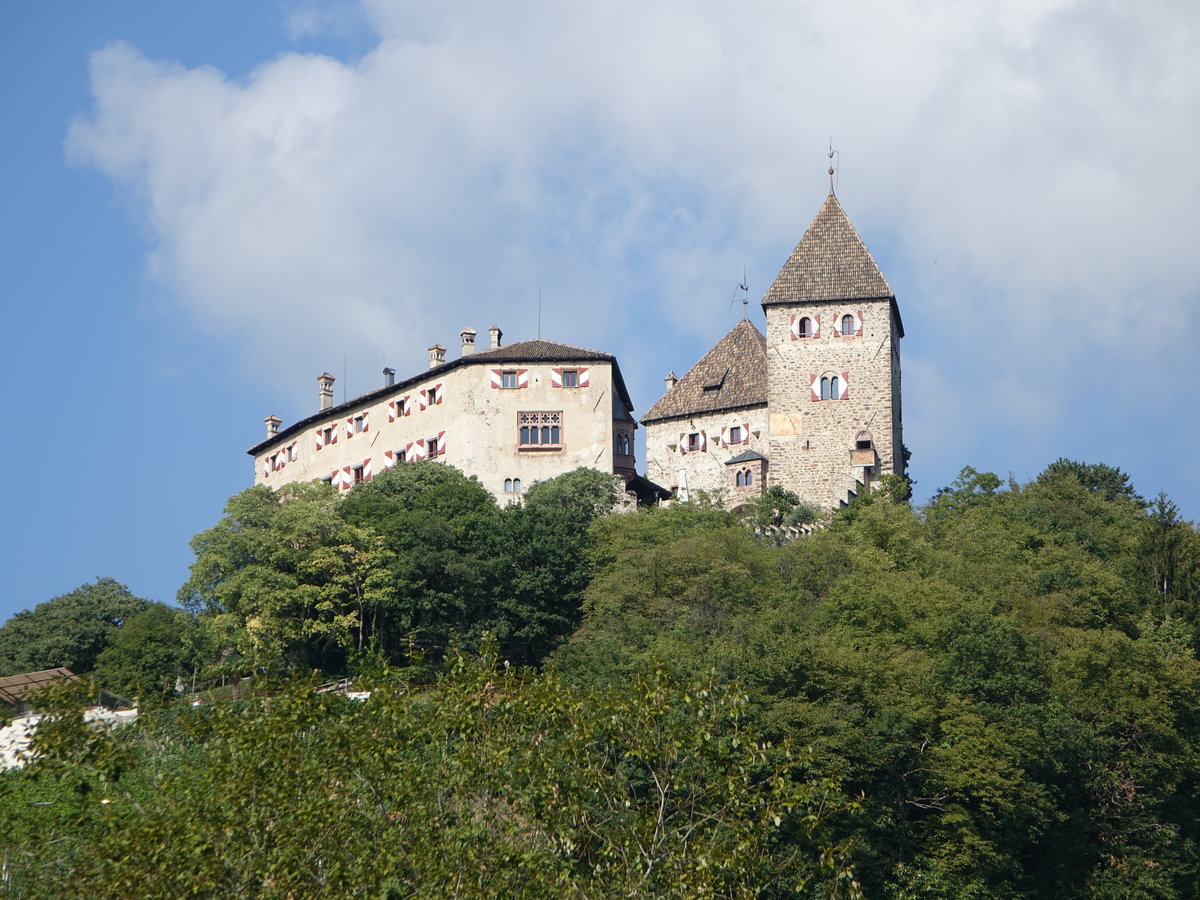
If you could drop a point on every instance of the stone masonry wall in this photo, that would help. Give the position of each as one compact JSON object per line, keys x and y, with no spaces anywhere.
{"x":811,"y":439}
{"x":706,"y":469}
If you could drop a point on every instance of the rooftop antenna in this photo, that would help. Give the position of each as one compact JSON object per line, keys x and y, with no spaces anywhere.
{"x":832,"y":154}
{"x":744,"y":287}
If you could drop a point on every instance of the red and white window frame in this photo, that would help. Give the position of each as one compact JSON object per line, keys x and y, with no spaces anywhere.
{"x":857,"y":321}
{"x":685,"y":442}
{"x":399,"y":406}
{"x":352,"y":429}
{"x":814,"y":320}
{"x":326,"y":435}
{"x":431,"y":396}
{"x":344,"y":478}
{"x":744,"y":439}
{"x":521,"y":376}
{"x":835,"y":384}
{"x":582,"y":378}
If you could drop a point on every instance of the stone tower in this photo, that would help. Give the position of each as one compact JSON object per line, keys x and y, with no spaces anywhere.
{"x":833,"y":365}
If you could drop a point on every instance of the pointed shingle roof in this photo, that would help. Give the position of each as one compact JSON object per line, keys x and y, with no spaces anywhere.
{"x":731,"y":375}
{"x":830,"y":263}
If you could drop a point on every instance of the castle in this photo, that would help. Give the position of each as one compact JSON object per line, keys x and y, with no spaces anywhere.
{"x":813,"y":405}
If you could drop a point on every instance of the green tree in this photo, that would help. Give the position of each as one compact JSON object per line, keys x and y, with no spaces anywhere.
{"x":70,"y":630}
{"x":148,"y":654}
{"x":488,"y":783}
{"x":283,"y":578}
{"x":541,"y":562}
{"x":438,"y":527}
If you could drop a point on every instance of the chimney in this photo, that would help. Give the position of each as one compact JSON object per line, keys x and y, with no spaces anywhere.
{"x":671,"y":379}
{"x":437,"y":355}
{"x":389,"y":377}
{"x":468,"y":341}
{"x":495,"y":334}
{"x":325,"y":380}
{"x":272,"y":425}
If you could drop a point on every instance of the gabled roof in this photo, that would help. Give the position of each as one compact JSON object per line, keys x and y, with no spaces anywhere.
{"x":830,"y":263}
{"x":535,"y":351}
{"x":744,"y":457}
{"x":732,"y":375}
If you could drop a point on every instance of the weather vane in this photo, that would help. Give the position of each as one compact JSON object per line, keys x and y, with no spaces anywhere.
{"x":833,"y":153}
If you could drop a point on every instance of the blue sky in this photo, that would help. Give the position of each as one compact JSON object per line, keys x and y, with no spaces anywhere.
{"x":206,"y":204}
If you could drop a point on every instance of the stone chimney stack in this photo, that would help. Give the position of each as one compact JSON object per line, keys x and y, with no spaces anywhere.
{"x":495,"y":333}
{"x":273,"y":423}
{"x":468,"y":341}
{"x":437,"y":355}
{"x":671,"y":379}
{"x":389,"y":377}
{"x":325,"y":394}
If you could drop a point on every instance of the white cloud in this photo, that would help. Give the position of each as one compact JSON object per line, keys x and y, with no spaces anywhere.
{"x":1028,"y":169}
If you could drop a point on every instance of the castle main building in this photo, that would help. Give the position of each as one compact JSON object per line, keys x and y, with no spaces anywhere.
{"x":813,"y":405}
{"x":509,"y":415}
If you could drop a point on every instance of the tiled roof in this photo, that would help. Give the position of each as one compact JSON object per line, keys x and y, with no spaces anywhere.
{"x":731,"y":375}
{"x":744,"y":457}
{"x":830,"y":263}
{"x":539,"y":350}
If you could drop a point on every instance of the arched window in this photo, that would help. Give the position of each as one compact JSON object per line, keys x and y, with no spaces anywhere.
{"x":863,"y":441}
{"x":806,"y":327}
{"x":826,"y":393}
{"x":741,"y":479}
{"x":848,"y":324}
{"x":508,"y":485}
{"x":835,"y":390}
{"x":516,"y":486}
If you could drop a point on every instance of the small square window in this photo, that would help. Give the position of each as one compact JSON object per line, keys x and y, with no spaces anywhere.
{"x":360,"y":424}
{"x":358,"y":474}
{"x":508,"y":379}
{"x":431,"y":447}
{"x":328,"y":435}
{"x":570,"y":378}
{"x":693,"y":442}
{"x":400,"y":456}
{"x":293,"y":453}
{"x":735,"y":434}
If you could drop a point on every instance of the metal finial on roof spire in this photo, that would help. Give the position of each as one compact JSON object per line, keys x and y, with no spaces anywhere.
{"x":832,"y":153}
{"x":745,"y":296}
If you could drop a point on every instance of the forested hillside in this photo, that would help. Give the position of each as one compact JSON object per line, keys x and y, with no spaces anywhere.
{"x":995,"y":695}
